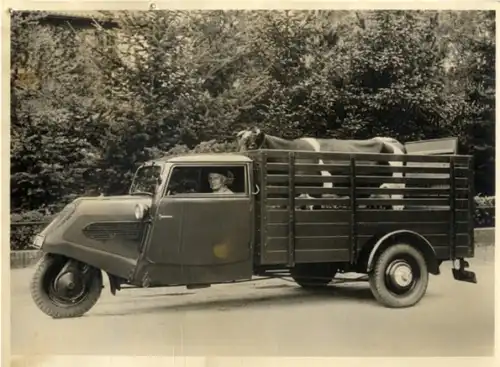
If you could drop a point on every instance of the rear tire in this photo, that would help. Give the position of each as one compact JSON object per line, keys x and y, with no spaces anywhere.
{"x":51,"y":302}
{"x":400,"y":276}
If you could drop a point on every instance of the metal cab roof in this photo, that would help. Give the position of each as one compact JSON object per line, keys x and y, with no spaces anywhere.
{"x":215,"y":158}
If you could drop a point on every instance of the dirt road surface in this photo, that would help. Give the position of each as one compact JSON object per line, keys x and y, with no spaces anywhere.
{"x":267,"y":318}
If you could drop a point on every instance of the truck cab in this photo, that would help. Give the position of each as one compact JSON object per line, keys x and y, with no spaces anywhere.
{"x":171,"y":228}
{"x":198,"y":235}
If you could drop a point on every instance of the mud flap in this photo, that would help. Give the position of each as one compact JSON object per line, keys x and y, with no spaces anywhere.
{"x":463,"y":275}
{"x":114,"y":284}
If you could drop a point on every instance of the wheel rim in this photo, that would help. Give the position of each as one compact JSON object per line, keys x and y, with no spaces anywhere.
{"x":402,"y":276}
{"x":67,"y":289}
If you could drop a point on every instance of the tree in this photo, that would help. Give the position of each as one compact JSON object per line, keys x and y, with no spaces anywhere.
{"x":50,"y":115}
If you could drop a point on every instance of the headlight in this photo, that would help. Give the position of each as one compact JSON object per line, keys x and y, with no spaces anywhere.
{"x":140,"y":211}
{"x":38,"y":242}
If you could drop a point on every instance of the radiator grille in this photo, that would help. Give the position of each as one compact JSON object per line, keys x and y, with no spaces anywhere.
{"x":105,"y":231}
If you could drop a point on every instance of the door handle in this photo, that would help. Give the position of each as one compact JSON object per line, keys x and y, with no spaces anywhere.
{"x":164,"y":216}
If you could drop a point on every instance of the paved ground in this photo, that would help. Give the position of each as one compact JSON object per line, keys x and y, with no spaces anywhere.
{"x":267,"y":318}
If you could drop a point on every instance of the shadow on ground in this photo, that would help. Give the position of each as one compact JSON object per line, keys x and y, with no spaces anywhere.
{"x":293,"y":297}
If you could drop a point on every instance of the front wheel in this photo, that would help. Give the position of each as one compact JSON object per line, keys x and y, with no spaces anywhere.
{"x":63,"y":288}
{"x":400,"y":276}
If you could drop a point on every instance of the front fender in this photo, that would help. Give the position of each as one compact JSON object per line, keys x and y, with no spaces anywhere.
{"x":102,"y":232}
{"x":412,"y":238}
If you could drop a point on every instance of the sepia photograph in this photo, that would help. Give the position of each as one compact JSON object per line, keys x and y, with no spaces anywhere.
{"x":275,"y":182}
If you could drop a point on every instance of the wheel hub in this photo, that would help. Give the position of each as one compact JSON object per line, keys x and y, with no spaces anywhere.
{"x":400,"y":274}
{"x":69,"y":286}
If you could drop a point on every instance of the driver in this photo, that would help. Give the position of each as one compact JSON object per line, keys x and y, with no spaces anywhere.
{"x":219,"y":182}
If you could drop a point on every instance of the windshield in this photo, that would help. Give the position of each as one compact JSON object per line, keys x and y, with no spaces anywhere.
{"x":145,"y":179}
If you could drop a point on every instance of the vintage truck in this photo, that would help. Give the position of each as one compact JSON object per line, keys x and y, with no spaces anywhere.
{"x":171,"y":230}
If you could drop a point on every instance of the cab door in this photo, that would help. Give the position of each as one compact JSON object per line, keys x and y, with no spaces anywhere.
{"x":216,"y":238}
{"x":217,"y":229}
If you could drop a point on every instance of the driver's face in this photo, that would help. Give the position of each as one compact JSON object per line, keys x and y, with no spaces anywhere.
{"x":216,"y":181}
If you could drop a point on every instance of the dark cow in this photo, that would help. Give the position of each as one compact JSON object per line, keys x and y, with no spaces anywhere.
{"x":254,"y":138}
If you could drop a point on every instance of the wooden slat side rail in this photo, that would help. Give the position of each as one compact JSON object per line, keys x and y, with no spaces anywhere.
{"x":366,"y":215}
{"x":381,"y":157}
{"x":345,"y":179}
{"x":437,"y":191}
{"x":364,"y":169}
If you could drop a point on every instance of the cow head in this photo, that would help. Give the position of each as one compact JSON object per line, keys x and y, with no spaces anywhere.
{"x":250,"y":139}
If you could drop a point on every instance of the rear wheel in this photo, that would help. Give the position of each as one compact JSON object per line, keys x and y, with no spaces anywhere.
{"x":63,"y":288}
{"x":400,"y":276}
{"x":311,"y":276}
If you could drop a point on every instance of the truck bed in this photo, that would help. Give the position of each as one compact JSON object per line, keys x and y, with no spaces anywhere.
{"x":438,"y":200}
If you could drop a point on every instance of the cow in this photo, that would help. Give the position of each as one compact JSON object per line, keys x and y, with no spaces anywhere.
{"x":254,"y":138}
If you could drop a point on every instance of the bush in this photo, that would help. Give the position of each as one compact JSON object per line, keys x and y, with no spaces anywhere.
{"x":21,"y":236}
{"x":484,"y":215}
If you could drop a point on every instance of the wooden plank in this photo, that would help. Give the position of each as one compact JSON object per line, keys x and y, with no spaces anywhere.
{"x":344,"y":202}
{"x":273,"y":257}
{"x":323,"y":255}
{"x":291,"y":204}
{"x":282,"y":154}
{"x":320,"y":230}
{"x":310,"y":216}
{"x":309,"y":229}
{"x":263,"y":212}
{"x":305,"y":256}
{"x":281,"y":179}
{"x":276,"y":256}
{"x":364,"y":215}
{"x":433,"y":146}
{"x":338,"y":179}
{"x":364,"y":169}
{"x":437,"y":240}
{"x":371,"y":228}
{"x":443,"y":252}
{"x":427,"y":191}
{"x":301,"y":201}
{"x":308,"y":243}
{"x":404,"y":201}
{"x":409,"y":191}
{"x":309,"y":167}
{"x":308,"y":189}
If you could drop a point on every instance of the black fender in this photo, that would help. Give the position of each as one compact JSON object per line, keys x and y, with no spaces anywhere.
{"x":111,"y":263}
{"x":412,"y":238}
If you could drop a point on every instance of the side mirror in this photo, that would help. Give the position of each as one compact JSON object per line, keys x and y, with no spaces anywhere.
{"x":141,"y":211}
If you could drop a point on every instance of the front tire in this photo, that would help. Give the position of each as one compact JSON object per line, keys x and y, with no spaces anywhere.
{"x":400,"y":276}
{"x":80,"y":292}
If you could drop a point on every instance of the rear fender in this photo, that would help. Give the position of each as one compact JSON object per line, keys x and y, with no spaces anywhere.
{"x":410,"y":237}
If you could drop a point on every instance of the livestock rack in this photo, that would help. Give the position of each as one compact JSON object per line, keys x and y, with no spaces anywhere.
{"x":438,"y":201}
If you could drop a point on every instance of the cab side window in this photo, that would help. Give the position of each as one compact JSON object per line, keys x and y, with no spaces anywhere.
{"x":207,"y":180}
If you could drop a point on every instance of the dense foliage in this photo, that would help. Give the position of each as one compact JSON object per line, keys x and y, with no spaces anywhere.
{"x":89,"y":105}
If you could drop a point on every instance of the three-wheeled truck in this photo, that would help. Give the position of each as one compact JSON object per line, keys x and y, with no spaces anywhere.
{"x":172,"y":230}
